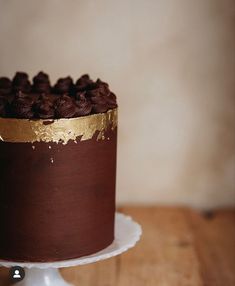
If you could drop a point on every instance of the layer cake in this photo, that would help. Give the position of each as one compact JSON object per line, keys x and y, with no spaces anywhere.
{"x":57,"y":167}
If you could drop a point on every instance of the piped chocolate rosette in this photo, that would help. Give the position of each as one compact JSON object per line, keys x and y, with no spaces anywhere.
{"x":58,"y":167}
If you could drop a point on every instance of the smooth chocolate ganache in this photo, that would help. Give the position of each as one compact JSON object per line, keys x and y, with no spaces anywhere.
{"x":57,"y":167}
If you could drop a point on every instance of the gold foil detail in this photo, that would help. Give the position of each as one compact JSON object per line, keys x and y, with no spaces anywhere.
{"x":57,"y":130}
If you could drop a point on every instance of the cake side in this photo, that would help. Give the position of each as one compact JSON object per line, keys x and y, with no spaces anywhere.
{"x":57,"y":201}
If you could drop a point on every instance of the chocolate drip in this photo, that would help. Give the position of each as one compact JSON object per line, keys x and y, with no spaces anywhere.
{"x":41,"y":83}
{"x":64,"y":85}
{"x":5,"y":86}
{"x":21,"y":82}
{"x":21,"y":106}
{"x":65,"y":107}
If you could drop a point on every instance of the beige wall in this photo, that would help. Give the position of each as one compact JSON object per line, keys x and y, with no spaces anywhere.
{"x":172,"y":65}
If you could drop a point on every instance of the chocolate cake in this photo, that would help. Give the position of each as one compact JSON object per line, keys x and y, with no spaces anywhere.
{"x":57,"y":167}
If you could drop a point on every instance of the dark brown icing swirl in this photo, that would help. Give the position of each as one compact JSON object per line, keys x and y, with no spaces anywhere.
{"x":103,"y":87}
{"x":84,"y":106}
{"x":65,"y":107}
{"x":99,"y":88}
{"x":44,"y":107}
{"x":21,"y":82}
{"x":3,"y":106}
{"x":111,"y":100}
{"x":64,"y":85}
{"x":99,"y":104}
{"x":41,"y":83}
{"x":101,"y":97}
{"x":22,"y":106}
{"x":5,"y":86}
{"x":84,"y":82}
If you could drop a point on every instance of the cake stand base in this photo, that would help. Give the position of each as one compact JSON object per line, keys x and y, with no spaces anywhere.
{"x":127,"y":233}
{"x":43,"y":277}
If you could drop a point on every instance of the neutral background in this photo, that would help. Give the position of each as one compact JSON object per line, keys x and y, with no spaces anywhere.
{"x":172,"y":65}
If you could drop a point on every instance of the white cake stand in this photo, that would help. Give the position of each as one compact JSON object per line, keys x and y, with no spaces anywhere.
{"x":127,"y":233}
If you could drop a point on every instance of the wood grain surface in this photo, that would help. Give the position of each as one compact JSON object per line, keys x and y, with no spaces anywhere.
{"x":179,"y":247}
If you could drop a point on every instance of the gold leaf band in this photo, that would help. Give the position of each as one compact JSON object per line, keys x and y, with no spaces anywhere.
{"x":57,"y":130}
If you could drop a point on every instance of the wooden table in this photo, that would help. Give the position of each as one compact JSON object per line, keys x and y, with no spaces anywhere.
{"x":179,"y":247}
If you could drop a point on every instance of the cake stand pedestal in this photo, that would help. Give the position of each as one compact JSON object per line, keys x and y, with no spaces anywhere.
{"x":127,"y":233}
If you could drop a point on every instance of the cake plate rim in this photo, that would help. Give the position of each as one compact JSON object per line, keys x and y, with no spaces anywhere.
{"x":127,"y":234}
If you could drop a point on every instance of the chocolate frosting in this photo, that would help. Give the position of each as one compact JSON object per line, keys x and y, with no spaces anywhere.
{"x":22,"y":106}
{"x":99,"y":88}
{"x":84,"y":98}
{"x":5,"y":86}
{"x":99,"y":104}
{"x":84,"y":105}
{"x":41,"y":83}
{"x":65,"y":107}
{"x":83,"y":83}
{"x":101,"y":97}
{"x":44,"y":107}
{"x":103,"y":87}
{"x":64,"y":85}
{"x":111,"y":100}
{"x":3,"y":106}
{"x":21,"y":82}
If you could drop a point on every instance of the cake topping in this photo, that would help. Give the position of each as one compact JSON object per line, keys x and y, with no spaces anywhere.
{"x":64,"y":85}
{"x":103,"y":87}
{"x":84,"y":83}
{"x":22,"y":105}
{"x":101,"y":97}
{"x":44,"y":107}
{"x":111,"y":100}
{"x":3,"y":106}
{"x":99,"y":104}
{"x":21,"y":82}
{"x":84,"y":106}
{"x":41,"y":83}
{"x":21,"y":99}
{"x":5,"y":86}
{"x":98,"y":88}
{"x":65,"y":107}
